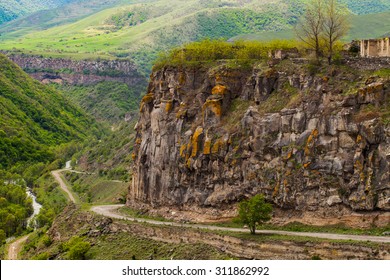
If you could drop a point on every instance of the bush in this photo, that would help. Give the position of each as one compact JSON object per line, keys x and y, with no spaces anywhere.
{"x":77,"y":248}
{"x":212,"y":50}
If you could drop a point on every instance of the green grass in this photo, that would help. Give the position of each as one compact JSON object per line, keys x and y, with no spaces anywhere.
{"x":141,"y":214}
{"x":140,"y":248}
{"x":362,"y":27}
{"x":95,"y":189}
{"x":299,"y":227}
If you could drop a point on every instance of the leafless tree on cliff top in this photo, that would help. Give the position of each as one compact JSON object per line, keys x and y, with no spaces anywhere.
{"x":310,"y":27}
{"x":323,"y":24}
{"x":336,"y":26}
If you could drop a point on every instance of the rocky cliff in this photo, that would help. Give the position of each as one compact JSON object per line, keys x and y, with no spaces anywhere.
{"x":315,"y":141}
{"x":78,"y":72}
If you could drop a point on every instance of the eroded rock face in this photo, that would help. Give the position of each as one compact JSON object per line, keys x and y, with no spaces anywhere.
{"x":78,"y":72}
{"x":207,"y":138}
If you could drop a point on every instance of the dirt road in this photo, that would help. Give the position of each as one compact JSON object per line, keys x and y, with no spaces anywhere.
{"x":111,"y":211}
{"x":57,"y":175}
{"x":15,"y":247}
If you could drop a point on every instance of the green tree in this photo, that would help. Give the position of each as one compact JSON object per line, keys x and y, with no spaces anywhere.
{"x":254,"y":211}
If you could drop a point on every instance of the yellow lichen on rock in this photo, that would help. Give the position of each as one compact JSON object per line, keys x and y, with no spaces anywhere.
{"x":148,"y":98}
{"x":310,"y":141}
{"x":207,"y":147}
{"x":169,"y":106}
{"x":195,"y":141}
{"x":217,"y":145}
{"x":219,"y":89}
{"x":183,"y":149}
{"x":215,"y":106}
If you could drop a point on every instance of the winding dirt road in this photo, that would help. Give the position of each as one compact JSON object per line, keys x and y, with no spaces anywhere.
{"x":112,"y":212}
{"x":15,"y":247}
{"x":57,"y":175}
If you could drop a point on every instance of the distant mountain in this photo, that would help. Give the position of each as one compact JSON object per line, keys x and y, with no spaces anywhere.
{"x":12,"y":9}
{"x":34,"y":118}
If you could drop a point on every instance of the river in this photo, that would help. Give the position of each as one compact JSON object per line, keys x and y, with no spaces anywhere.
{"x":36,"y":207}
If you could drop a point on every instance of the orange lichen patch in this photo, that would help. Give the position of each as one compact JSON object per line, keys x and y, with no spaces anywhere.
{"x":214,"y":105}
{"x":169,"y":106}
{"x":219,"y":89}
{"x":138,"y":141}
{"x":183,"y":149}
{"x":207,"y":147}
{"x":189,"y":163}
{"x":133,"y":156}
{"x":195,"y":141}
{"x":216,"y":147}
{"x":148,"y":98}
{"x":359,"y":139}
{"x":289,"y":155}
{"x":310,"y":141}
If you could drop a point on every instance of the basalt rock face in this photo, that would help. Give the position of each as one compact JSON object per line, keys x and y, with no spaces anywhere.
{"x":311,"y":143}
{"x":81,"y":72}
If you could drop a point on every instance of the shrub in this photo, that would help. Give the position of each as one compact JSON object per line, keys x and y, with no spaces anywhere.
{"x":77,"y":248}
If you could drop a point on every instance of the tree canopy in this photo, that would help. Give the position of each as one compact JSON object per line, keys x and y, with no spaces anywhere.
{"x":254,"y":211}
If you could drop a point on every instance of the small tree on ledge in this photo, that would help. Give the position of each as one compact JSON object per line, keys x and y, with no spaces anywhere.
{"x":254,"y":211}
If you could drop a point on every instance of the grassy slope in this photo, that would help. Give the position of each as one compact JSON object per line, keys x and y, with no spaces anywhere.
{"x":140,"y":31}
{"x":362,"y":26}
{"x":161,"y":25}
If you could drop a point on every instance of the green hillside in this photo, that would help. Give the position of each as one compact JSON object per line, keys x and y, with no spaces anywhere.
{"x":12,"y":9}
{"x":140,"y":30}
{"x":34,"y":119}
{"x":362,"y":27}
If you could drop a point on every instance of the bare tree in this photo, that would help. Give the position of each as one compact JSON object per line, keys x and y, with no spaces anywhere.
{"x":335,"y":25}
{"x":310,"y":28}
